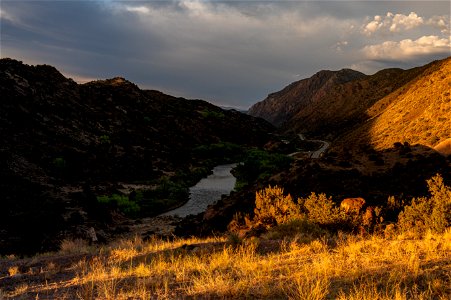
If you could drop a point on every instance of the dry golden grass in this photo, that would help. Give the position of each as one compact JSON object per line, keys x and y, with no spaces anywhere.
{"x":344,"y":267}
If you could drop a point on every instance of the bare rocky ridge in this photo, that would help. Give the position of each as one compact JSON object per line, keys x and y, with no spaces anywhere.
{"x":280,"y":107}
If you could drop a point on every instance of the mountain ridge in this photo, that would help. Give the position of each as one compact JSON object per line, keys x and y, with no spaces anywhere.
{"x":280,"y":106}
{"x":340,"y":106}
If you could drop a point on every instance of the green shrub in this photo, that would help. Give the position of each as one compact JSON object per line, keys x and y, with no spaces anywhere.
{"x":171,"y":190}
{"x":212,"y":114}
{"x":59,"y":162}
{"x":105,"y":139}
{"x":433,"y":213}
{"x":167,"y":195}
{"x":122,"y":202}
{"x":273,"y":207}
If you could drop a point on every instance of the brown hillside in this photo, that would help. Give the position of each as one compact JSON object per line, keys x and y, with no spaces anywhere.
{"x":331,"y":102}
{"x":417,"y":113}
{"x":281,"y":106}
{"x":344,"y":104}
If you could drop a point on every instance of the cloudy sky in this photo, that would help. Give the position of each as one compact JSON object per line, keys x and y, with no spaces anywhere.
{"x":230,"y":53}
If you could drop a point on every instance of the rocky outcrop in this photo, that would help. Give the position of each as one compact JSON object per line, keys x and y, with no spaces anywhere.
{"x":352,"y":205}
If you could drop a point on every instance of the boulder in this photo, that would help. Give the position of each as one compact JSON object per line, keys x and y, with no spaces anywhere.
{"x":352,"y":205}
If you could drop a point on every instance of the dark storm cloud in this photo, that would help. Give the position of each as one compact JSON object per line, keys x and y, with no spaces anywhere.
{"x":230,"y":53}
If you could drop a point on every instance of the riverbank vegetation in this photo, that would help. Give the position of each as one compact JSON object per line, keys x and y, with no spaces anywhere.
{"x":299,"y":255}
{"x":259,"y":165}
{"x":155,"y":197}
{"x":171,"y":191}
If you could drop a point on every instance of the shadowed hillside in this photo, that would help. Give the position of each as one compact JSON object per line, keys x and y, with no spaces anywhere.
{"x":63,"y":144}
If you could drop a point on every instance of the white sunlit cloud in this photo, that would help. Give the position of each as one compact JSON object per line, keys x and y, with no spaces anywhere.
{"x":406,"y":49}
{"x":392,"y":23}
{"x":6,"y":16}
{"x":339,"y":46}
{"x":440,"y":22}
{"x":411,"y":36}
{"x":138,"y":9}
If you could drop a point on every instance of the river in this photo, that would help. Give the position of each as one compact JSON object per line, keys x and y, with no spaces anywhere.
{"x":207,"y":191}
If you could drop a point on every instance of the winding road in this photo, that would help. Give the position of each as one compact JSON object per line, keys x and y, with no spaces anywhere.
{"x":321,"y":150}
{"x":314,"y":154}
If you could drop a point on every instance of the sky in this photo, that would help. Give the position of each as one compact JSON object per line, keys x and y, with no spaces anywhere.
{"x":230,"y":53}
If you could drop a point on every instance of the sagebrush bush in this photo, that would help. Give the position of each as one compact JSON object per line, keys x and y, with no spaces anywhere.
{"x":322,"y":210}
{"x":273,"y":207}
{"x":428,"y":213}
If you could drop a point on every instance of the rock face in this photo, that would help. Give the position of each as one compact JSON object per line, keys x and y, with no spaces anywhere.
{"x":59,"y":138}
{"x":353,"y":205}
{"x":280,"y":107}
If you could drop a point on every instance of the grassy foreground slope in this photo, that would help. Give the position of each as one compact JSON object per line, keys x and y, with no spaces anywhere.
{"x":345,"y":267}
{"x":298,"y":256}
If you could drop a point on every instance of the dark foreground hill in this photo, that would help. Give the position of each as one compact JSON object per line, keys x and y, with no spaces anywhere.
{"x":62,"y":140}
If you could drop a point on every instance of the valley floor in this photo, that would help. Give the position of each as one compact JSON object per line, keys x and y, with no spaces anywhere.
{"x":334,"y":267}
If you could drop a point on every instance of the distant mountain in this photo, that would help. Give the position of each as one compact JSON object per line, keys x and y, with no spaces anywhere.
{"x":59,"y":136}
{"x":391,"y":105}
{"x":282,"y":106}
{"x":234,"y":108}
